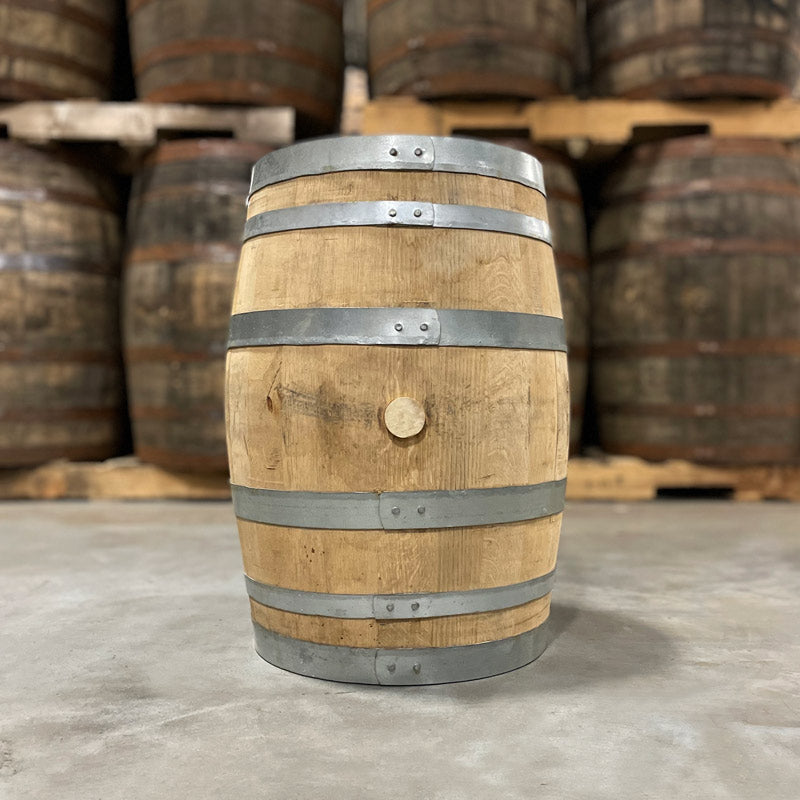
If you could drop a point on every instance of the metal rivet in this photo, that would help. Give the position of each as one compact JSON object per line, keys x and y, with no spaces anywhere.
{"x":415,"y":606}
{"x":420,"y":509}
{"x":424,"y":326}
{"x":392,"y":212}
{"x":393,"y":151}
{"x":391,"y":667}
{"x":417,"y":668}
{"x":390,"y":606}
{"x":398,"y":326}
{"x":396,"y":511}
{"x":417,"y":212}
{"x":418,"y":151}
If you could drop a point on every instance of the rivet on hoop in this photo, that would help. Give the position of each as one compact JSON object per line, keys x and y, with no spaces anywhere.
{"x":417,"y":212}
{"x":419,"y":151}
{"x":393,"y":151}
{"x":392,"y":212}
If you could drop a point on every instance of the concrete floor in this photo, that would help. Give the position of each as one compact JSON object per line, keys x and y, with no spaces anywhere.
{"x":127,"y":669}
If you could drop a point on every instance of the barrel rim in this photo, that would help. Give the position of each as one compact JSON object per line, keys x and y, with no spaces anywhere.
{"x":397,"y":152}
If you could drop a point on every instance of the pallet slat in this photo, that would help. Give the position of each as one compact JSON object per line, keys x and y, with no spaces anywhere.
{"x":615,"y":478}
{"x":581,"y":125}
{"x":139,"y":124}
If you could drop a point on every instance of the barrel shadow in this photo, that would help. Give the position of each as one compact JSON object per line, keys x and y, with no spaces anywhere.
{"x":587,"y":647}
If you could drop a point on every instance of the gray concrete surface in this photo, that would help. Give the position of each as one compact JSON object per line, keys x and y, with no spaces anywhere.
{"x":127,"y":670}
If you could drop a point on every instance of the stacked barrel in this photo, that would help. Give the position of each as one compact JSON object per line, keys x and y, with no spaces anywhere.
{"x":696,"y":247}
{"x":187,"y":207}
{"x":61,"y":387}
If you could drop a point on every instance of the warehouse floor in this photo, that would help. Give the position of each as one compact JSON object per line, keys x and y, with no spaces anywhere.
{"x":128,"y":670}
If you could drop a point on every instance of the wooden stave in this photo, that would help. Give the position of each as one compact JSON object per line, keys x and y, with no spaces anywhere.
{"x":480,"y":57}
{"x":244,"y":59}
{"x":570,"y":250}
{"x":179,"y":276}
{"x":256,"y":537}
{"x":739,"y":403}
{"x":71,"y":56}
{"x":715,"y":52}
{"x":60,"y":363}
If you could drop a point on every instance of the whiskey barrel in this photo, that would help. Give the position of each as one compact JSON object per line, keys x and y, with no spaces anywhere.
{"x":673,"y":49}
{"x":566,"y":217}
{"x":398,"y":423}
{"x":56,"y":49}
{"x":184,"y":233}
{"x":60,"y":367}
{"x":280,"y":53}
{"x":466,"y":49}
{"x":696,"y":263}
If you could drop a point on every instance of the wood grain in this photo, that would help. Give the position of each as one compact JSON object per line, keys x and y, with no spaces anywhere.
{"x":455,"y":631}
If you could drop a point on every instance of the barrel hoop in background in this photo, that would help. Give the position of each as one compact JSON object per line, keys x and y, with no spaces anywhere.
{"x":398,"y":153}
{"x":397,"y":213}
{"x":400,"y":606}
{"x":401,"y":666}
{"x":399,"y":511}
{"x":397,"y":326}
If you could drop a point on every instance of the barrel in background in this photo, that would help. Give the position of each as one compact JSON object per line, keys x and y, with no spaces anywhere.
{"x":471,"y":48}
{"x":566,"y":217}
{"x":397,"y":409}
{"x":53,"y":51}
{"x":184,"y":232}
{"x":696,"y":268}
{"x":61,"y":390}
{"x":280,"y":53}
{"x":673,"y":49}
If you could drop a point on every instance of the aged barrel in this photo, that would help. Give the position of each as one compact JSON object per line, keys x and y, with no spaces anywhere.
{"x":475,"y":48}
{"x":565,"y":212}
{"x":185,"y":229}
{"x":280,"y":53}
{"x":674,"y":49}
{"x":696,"y":263}
{"x":55,"y":49}
{"x":398,"y":423}
{"x":60,"y":365}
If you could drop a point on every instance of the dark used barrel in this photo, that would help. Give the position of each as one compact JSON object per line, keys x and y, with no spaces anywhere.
{"x":184,"y":233}
{"x":567,"y":222}
{"x":696,"y":264}
{"x":56,"y":49}
{"x":397,"y":409}
{"x":476,"y":48}
{"x":674,"y":49}
{"x":60,"y":366}
{"x":277,"y":53}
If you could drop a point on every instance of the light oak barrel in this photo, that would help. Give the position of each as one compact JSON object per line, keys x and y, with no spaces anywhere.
{"x":673,"y":49}
{"x":478,"y":48}
{"x":370,"y":557}
{"x":56,"y":49}
{"x":184,"y":233}
{"x":280,"y":53}
{"x":61,"y":393}
{"x":568,"y":224}
{"x":696,"y":328}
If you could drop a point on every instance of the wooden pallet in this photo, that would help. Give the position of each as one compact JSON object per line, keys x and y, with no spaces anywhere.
{"x":141,"y":125}
{"x":616,"y":478}
{"x":586,"y":128}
